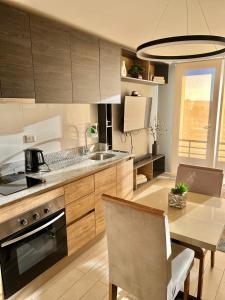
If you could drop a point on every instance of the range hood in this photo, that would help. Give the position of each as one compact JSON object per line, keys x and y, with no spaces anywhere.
{"x":17,"y":100}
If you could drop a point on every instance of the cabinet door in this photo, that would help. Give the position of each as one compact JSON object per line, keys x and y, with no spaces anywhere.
{"x":16,"y":70}
{"x":105,"y":182}
{"x":80,"y":233}
{"x":124,"y":187}
{"x":85,"y":67}
{"x":110,"y":85}
{"x":52,"y":62}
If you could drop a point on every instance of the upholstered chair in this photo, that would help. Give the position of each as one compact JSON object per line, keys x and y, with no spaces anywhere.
{"x":206,"y":181}
{"x":142,"y":260}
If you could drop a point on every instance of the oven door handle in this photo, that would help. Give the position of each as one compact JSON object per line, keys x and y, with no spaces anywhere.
{"x":22,"y":237}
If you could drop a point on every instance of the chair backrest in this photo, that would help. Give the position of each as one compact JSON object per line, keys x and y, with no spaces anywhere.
{"x":201,"y":180}
{"x":139,"y":249}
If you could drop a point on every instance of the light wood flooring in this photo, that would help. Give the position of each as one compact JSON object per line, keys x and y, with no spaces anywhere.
{"x":85,"y":276}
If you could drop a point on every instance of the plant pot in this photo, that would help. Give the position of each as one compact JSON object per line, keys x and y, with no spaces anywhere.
{"x":178,"y":201}
{"x":155,"y":147}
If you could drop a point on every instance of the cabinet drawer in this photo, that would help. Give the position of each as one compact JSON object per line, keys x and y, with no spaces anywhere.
{"x":124,"y":168}
{"x":99,"y":212}
{"x":79,"y":208}
{"x":125,"y":187}
{"x":79,"y":188}
{"x":105,"y":180}
{"x":80,"y":233}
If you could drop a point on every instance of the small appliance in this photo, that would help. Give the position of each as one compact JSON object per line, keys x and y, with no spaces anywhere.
{"x":34,"y":159}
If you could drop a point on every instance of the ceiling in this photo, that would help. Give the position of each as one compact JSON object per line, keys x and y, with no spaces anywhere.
{"x":132,"y":22}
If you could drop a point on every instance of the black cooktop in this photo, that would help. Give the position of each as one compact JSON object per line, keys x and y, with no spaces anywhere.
{"x":17,"y":182}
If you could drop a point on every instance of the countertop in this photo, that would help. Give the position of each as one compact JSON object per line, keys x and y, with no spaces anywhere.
{"x":60,"y":177}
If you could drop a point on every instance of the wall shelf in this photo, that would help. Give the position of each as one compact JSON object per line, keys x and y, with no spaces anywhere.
{"x":149,"y":165}
{"x":151,"y":69}
{"x":141,"y":81}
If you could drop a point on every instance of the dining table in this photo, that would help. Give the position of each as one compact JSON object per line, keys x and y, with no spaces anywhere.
{"x":200,"y":223}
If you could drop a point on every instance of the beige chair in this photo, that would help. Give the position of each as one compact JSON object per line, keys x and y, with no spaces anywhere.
{"x":206,"y":181}
{"x":141,"y":260}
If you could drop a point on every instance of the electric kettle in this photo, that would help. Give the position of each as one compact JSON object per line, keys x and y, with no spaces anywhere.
{"x":34,"y":158}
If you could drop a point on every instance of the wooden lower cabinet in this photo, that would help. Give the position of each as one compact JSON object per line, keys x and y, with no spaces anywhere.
{"x":105,"y":182}
{"x":79,"y":188}
{"x":79,"y":208}
{"x":125,"y":177}
{"x":80,"y":233}
{"x":84,"y":207}
{"x":99,"y":212}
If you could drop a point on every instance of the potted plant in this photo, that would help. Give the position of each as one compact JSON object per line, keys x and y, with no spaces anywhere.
{"x":177,"y":195}
{"x":135,"y":71}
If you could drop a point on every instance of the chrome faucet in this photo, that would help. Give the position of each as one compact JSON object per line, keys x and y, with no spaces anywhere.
{"x":90,"y":130}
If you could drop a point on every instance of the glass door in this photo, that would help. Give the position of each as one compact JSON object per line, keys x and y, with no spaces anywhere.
{"x":198,"y":89}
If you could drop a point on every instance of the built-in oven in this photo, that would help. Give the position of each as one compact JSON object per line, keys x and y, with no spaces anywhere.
{"x":31,"y":243}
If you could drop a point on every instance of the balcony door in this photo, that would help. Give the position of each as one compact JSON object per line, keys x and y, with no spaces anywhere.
{"x":198,"y":90}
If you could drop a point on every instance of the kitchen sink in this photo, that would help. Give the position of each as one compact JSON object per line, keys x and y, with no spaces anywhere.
{"x":101,"y":156}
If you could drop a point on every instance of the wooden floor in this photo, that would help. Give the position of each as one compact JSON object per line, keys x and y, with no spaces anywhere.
{"x":86,"y":277}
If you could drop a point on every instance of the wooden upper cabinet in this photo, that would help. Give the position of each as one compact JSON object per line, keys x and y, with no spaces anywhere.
{"x":110,"y":84}
{"x":85,"y":67}
{"x":16,"y":71}
{"x":52,"y":61}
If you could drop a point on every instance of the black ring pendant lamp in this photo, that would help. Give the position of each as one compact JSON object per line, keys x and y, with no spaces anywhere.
{"x":218,"y":42}
{"x":177,"y":40}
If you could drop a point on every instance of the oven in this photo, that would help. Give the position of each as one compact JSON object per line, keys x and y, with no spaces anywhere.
{"x":38,"y":244}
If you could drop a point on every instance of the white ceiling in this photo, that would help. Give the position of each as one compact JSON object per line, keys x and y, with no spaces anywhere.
{"x":132,"y":22}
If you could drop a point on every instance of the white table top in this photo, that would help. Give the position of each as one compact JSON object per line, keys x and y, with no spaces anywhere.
{"x":200,"y":223}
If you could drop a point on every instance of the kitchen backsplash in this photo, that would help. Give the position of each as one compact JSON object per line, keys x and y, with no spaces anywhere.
{"x":56,"y":126}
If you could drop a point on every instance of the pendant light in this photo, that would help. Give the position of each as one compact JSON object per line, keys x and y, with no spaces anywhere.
{"x":157,"y":50}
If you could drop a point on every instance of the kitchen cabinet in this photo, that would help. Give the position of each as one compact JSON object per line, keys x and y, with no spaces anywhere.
{"x":79,"y":188}
{"x":80,"y":233}
{"x":105,"y":182}
{"x":79,"y":208}
{"x":51,"y":61}
{"x":85,"y":67}
{"x":16,"y":70}
{"x":125,"y":176}
{"x":110,"y":84}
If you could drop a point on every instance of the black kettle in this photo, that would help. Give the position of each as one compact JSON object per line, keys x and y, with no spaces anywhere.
{"x":34,"y":158}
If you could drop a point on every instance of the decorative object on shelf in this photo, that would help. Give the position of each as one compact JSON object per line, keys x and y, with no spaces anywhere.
{"x":159,"y":79}
{"x":124,"y":69}
{"x":207,"y":45}
{"x":135,"y":71}
{"x":135,"y":94}
{"x":155,"y":148}
{"x":156,"y":129}
{"x":177,"y":196}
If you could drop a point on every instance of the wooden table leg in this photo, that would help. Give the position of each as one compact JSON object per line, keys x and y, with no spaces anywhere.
{"x":200,"y":277}
{"x":112,"y":291}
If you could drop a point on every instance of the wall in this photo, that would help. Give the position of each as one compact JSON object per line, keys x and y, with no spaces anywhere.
{"x":165,"y":116}
{"x":141,"y":140}
{"x":57,"y":127}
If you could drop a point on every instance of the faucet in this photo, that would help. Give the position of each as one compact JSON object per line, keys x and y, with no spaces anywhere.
{"x":90,"y":130}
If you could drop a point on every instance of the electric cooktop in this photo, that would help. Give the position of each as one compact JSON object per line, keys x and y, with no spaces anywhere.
{"x":17,"y":182}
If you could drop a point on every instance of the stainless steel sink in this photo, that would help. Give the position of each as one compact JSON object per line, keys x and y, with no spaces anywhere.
{"x":101,"y":156}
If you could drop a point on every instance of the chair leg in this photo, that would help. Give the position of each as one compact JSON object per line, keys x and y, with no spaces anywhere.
{"x":200,"y":277}
{"x":112,"y":291}
{"x":212,"y":259}
{"x":186,"y":287}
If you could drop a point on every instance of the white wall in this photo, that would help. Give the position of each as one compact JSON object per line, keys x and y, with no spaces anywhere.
{"x":166,"y":104}
{"x":56,"y":126}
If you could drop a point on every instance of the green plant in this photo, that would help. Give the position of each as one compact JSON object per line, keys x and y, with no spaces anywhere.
{"x":135,"y":70}
{"x":180,"y":189}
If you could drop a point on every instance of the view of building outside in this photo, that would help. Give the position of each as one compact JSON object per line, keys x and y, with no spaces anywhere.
{"x":197,"y":91}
